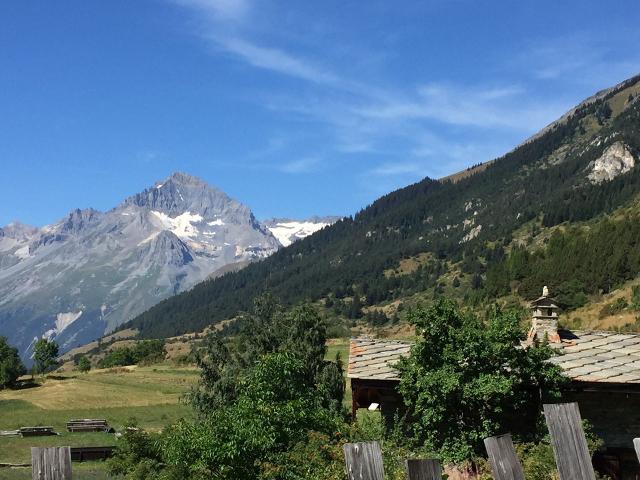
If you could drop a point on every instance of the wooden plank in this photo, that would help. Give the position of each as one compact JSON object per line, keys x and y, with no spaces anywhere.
{"x":636,"y":444}
{"x":424,"y":469}
{"x":568,"y":441}
{"x":51,"y":463}
{"x":363,"y":461}
{"x":503,"y":459}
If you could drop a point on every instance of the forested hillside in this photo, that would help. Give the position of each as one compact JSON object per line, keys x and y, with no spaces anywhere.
{"x":466,"y":230}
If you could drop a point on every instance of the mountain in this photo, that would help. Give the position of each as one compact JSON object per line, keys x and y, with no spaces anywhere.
{"x":91,"y":271}
{"x":288,"y":231}
{"x":455,"y":235}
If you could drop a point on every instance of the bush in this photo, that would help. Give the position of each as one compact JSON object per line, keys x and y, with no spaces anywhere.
{"x":147,"y":351}
{"x":138,"y":456}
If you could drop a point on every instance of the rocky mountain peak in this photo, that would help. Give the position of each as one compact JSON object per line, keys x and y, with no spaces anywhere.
{"x":181,"y":193}
{"x":78,"y":220}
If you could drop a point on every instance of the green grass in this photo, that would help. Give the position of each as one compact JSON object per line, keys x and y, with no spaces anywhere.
{"x":151,"y":395}
{"x":17,"y":413}
{"x":341,"y":345}
{"x":338,"y":346}
{"x":81,"y":471}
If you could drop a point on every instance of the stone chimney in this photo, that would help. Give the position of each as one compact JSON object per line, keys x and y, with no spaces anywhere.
{"x":544,"y":318}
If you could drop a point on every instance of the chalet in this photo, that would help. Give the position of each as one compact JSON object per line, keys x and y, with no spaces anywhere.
{"x":603,"y":368}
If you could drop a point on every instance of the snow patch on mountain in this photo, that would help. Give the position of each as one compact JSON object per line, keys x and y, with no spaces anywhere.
{"x":181,"y":225}
{"x":22,"y":252}
{"x":288,"y":231}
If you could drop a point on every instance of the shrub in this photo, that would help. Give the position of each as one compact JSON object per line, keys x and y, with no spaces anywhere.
{"x":147,"y":351}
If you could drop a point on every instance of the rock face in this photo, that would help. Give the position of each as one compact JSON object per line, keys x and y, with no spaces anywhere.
{"x":86,"y":274}
{"x":615,"y":160}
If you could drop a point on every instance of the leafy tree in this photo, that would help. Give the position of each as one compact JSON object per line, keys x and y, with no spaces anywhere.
{"x":467,"y":379}
{"x":276,"y":408}
{"x":84,"y":365}
{"x":45,"y":353}
{"x":266,"y":329}
{"x":11,"y":366}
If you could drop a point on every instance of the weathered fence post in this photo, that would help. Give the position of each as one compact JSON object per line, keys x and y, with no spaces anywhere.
{"x":568,"y":440}
{"x":428,"y":469}
{"x":51,"y":463}
{"x":503,"y":459}
{"x":363,"y":461}
{"x":636,"y":444}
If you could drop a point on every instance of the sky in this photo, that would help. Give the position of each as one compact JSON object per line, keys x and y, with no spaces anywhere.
{"x":293,"y":108}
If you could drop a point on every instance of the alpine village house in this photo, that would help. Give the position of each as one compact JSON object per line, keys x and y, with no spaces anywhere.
{"x":603,"y":369}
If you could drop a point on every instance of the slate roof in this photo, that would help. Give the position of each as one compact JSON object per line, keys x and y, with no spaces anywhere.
{"x":584,"y":356}
{"x":547,"y":301}
{"x":374,"y":359}
{"x":591,"y":356}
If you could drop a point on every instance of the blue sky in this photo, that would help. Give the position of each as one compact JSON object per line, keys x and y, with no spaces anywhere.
{"x":294,"y":108}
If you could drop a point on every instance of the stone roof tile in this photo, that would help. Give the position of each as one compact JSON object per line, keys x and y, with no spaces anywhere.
{"x":585,"y":356}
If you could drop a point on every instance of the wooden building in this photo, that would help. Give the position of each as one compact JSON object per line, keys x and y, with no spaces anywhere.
{"x":604,"y":369}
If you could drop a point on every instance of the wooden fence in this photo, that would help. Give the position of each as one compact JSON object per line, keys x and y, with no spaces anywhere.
{"x":364,"y":460}
{"x":51,"y":463}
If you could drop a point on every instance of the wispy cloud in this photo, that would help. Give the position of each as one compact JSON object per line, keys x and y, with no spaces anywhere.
{"x":224,"y":10}
{"x":275,"y":60}
{"x":505,"y":106}
{"x":302,"y":165}
{"x":435,"y":127}
{"x":401,"y":168}
{"x":580,"y":58}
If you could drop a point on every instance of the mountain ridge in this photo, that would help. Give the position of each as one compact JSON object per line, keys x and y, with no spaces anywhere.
{"x":466,"y":224}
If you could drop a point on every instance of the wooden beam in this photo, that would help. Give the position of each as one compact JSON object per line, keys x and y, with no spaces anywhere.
{"x":363,"y":461}
{"x":569,"y":442}
{"x":428,"y":469}
{"x":503,"y":459}
{"x":51,"y":463}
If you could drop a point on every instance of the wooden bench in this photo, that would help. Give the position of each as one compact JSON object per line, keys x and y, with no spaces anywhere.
{"x":36,"y":431}
{"x":88,"y":425}
{"x":82,"y":454}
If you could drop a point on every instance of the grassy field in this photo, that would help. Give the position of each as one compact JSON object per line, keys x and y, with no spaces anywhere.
{"x":151,"y":395}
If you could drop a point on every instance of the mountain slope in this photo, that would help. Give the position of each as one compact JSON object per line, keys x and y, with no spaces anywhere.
{"x":91,"y":271}
{"x":469,"y":222}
